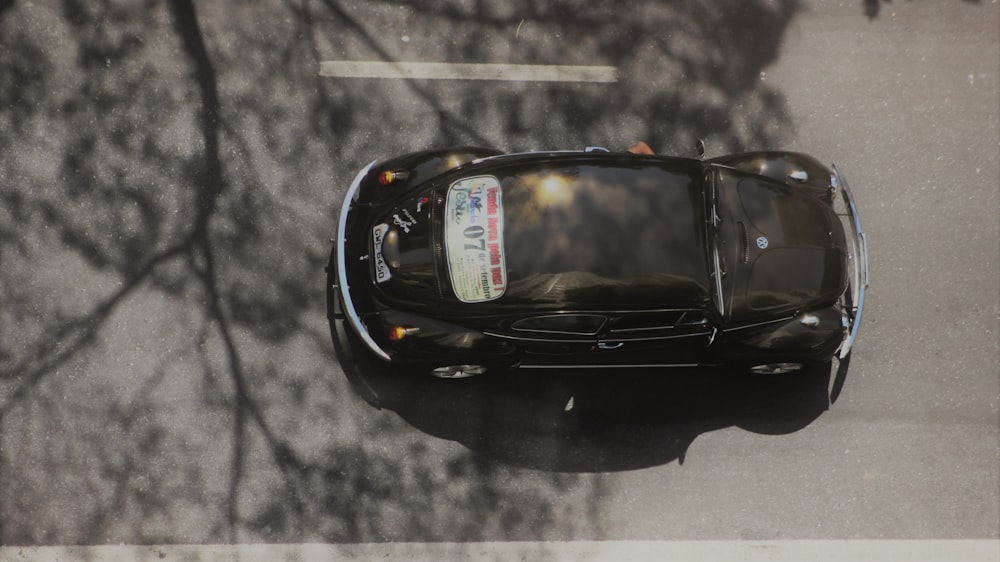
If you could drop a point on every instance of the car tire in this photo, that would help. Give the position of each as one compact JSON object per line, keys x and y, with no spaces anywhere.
{"x":776,"y":368}
{"x":458,"y":371}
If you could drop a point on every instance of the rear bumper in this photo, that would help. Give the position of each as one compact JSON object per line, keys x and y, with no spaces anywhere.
{"x":858,"y":262}
{"x":339,"y":288}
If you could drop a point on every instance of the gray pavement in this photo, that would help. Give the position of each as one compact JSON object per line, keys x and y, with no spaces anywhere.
{"x":907,"y":105}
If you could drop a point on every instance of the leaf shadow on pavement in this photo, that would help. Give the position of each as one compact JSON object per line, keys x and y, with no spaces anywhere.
{"x":171,"y":172}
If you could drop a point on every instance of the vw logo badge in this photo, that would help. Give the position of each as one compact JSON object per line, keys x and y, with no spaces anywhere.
{"x":762,"y":243}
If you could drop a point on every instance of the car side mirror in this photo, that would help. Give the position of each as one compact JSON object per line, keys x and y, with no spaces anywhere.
{"x":701,"y":148}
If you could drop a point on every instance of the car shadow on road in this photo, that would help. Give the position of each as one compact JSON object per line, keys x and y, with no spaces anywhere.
{"x":588,"y":420}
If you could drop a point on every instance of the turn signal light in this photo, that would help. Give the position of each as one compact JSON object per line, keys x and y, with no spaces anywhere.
{"x":399,"y":332}
{"x":392,"y":176}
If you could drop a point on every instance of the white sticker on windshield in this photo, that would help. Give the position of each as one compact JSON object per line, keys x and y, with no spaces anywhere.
{"x":474,"y":239}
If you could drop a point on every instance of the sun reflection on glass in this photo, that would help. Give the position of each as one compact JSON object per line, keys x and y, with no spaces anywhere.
{"x":553,"y":190}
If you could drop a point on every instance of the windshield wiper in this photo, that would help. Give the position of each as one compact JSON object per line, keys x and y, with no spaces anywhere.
{"x":718,"y":262}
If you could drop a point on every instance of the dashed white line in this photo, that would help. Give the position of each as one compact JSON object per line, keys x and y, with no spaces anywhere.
{"x":468,"y":71}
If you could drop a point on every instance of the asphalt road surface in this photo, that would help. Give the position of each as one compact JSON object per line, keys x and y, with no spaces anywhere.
{"x":907,"y":105}
{"x":195,"y":397}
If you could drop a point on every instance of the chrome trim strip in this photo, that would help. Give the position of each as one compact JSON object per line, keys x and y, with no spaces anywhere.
{"x":626,"y":339}
{"x":612,"y":366}
{"x":587,"y":338}
{"x":345,"y":292}
{"x":758,"y":324}
{"x":507,"y":155}
{"x":860,"y":265}
{"x":864,"y":250}
{"x":593,"y":339}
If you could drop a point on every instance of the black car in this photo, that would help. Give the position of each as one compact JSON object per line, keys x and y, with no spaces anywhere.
{"x":467,"y":260}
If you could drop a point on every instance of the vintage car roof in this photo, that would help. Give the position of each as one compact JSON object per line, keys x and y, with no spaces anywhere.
{"x":585,"y":231}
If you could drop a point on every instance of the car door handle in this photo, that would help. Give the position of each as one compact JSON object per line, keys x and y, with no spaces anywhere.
{"x":615,"y":345}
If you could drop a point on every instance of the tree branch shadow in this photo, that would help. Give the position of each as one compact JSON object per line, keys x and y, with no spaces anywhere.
{"x":194,"y":152}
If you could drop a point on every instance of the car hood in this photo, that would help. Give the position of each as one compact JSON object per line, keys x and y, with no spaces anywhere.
{"x":784,"y":248}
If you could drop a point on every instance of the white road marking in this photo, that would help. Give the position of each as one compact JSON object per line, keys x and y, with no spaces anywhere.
{"x":985,"y":550}
{"x":467,"y":71}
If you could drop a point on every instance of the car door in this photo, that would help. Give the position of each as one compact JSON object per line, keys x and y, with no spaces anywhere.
{"x":659,"y":338}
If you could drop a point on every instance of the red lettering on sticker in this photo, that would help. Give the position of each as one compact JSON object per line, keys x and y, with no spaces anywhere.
{"x":491,"y":201}
{"x":497,"y":276}
{"x":492,"y":225}
{"x":494,"y":254}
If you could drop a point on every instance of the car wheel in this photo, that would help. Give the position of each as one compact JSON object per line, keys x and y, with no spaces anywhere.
{"x":458,"y":371}
{"x":775,"y":368}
